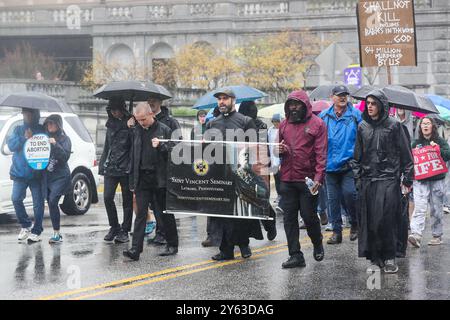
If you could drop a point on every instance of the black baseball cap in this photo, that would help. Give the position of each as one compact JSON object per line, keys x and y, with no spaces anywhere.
{"x":225,"y":91}
{"x":340,"y":89}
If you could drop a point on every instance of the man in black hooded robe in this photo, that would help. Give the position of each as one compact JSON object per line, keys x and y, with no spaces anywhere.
{"x":382,"y":155}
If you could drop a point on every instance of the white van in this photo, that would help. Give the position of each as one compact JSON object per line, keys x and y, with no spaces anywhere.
{"x":82,"y":164}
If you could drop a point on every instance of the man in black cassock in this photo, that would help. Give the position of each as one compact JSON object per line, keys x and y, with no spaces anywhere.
{"x":232,"y":231}
{"x":382,"y":155}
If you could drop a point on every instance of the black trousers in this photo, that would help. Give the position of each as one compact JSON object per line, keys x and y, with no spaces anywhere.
{"x":226,"y":247}
{"x":296,"y":196}
{"x":158,"y":198}
{"x":159,"y":220}
{"x":270,"y":224}
{"x":111,"y":184}
{"x":402,"y":226}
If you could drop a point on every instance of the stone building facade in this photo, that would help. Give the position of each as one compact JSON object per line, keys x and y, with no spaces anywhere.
{"x":142,"y":31}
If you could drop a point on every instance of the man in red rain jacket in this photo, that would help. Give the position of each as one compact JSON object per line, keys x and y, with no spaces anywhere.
{"x":303,"y":153}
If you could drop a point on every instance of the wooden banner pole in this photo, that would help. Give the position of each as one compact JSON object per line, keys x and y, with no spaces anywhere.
{"x":389,"y":75}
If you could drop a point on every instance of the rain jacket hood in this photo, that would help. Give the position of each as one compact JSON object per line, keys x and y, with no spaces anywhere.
{"x":306,"y":141}
{"x":299,"y":95}
{"x":165,"y":118}
{"x":36,"y":115}
{"x":384,"y":112}
{"x":248,"y":108}
{"x":116,"y":152}
{"x":408,"y":122}
{"x":56,"y":118}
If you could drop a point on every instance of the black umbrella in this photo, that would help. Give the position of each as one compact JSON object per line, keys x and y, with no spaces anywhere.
{"x":34,"y":100}
{"x":401,"y":97}
{"x":132,"y":90}
{"x":324,"y":92}
{"x":362,"y":92}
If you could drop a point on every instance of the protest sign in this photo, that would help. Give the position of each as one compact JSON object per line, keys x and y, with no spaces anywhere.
{"x":428,"y":162}
{"x":37,"y":151}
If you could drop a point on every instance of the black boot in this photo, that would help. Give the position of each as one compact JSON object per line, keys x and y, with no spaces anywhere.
{"x":222,"y":256}
{"x":113,"y":232}
{"x":318,"y":252}
{"x":132,"y":254}
{"x":246,"y":252}
{"x":122,"y":237}
{"x":295,"y":261}
{"x":207,"y":243}
{"x":169,"y":251}
{"x":336,"y":238}
{"x":353,"y":233}
{"x":158,"y":240}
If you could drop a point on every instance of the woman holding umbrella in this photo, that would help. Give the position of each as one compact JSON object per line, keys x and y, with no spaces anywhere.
{"x":56,"y":179}
{"x":429,"y":191}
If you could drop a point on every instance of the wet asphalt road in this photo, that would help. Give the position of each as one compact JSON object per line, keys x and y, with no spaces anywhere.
{"x":85,"y":267}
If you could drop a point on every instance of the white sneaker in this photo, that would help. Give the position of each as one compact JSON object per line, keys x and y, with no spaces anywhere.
{"x":446,"y":209}
{"x":24,"y":233}
{"x":435,"y":241}
{"x":33,"y":238}
{"x":390,"y":266}
{"x":414,"y":240}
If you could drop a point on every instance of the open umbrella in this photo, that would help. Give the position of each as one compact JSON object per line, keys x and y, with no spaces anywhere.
{"x":34,"y":100}
{"x":439,"y":101}
{"x":444,"y":113}
{"x":361,"y":93}
{"x":132,"y":90}
{"x":324,"y":92}
{"x":320,"y":105}
{"x":243,"y":93}
{"x":268,"y":112}
{"x":400,"y":97}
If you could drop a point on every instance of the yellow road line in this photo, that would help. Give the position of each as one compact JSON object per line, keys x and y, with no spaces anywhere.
{"x":148,"y":275}
{"x":168,"y":274}
{"x":175,"y":275}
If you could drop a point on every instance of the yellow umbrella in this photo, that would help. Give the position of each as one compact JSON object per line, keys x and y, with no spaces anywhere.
{"x":269,"y":111}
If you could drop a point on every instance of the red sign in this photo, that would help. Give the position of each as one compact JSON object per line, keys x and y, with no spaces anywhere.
{"x":428,"y":162}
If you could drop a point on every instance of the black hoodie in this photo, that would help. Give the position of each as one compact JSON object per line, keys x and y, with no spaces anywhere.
{"x":165,"y":118}
{"x":116,"y":152}
{"x":60,"y":151}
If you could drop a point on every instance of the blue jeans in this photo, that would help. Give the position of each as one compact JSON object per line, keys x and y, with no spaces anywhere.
{"x":341,"y":186}
{"x":19,"y":194}
{"x":322,"y":205}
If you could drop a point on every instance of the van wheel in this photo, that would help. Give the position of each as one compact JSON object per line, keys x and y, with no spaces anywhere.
{"x":78,"y":201}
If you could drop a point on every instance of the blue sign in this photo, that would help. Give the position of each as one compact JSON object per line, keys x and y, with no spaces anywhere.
{"x":353,"y":76}
{"x":37,"y":151}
